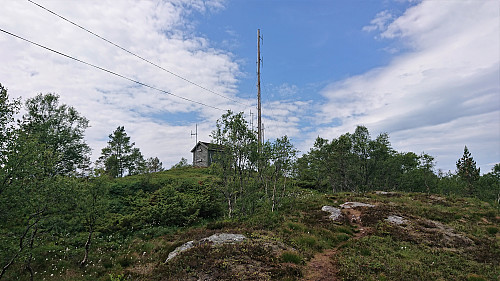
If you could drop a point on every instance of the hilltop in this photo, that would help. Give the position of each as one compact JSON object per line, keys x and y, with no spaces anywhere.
{"x":439,"y":237}
{"x":395,"y":236}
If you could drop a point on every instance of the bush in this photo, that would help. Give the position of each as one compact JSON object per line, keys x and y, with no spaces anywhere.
{"x":492,"y":230}
{"x":180,"y":204}
{"x":307,"y":242}
{"x":291,"y":257}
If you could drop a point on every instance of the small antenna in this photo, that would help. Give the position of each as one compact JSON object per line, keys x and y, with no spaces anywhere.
{"x":195,"y":134}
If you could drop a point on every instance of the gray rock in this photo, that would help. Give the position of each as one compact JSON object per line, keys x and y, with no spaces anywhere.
{"x":396,"y":220}
{"x":335,"y":213}
{"x":184,"y":247}
{"x":220,"y":238}
{"x":386,"y":193}
{"x":351,"y":205}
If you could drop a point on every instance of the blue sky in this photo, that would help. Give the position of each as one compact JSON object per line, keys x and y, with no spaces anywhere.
{"x":426,"y":72}
{"x":305,"y":42}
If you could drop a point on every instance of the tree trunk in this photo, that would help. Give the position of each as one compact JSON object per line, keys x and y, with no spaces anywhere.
{"x":230,"y":207}
{"x":274,"y":196}
{"x":87,"y":245}
{"x":21,"y":241}
{"x":284,"y":187}
{"x":28,"y":262}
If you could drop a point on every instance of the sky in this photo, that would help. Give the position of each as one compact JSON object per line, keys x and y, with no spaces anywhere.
{"x":425,"y":72}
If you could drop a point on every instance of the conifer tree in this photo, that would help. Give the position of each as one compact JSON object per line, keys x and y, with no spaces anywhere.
{"x":467,"y":171}
{"x":120,"y":157}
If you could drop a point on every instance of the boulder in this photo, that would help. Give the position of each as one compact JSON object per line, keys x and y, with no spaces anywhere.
{"x":219,"y":238}
{"x":396,"y":220}
{"x":351,"y":205}
{"x":184,"y":247}
{"x":335,"y":213}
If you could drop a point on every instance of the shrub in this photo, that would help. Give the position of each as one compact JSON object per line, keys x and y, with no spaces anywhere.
{"x":492,"y":230}
{"x":125,"y":261}
{"x":291,"y":257}
{"x":307,"y":242}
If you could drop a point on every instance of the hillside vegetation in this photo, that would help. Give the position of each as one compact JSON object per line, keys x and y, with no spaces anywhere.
{"x":124,"y":217}
{"x":147,"y":217}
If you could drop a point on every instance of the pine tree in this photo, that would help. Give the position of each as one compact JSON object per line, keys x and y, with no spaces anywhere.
{"x":120,"y":156}
{"x":467,"y":171}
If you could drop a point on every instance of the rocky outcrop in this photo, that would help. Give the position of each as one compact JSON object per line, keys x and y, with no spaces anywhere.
{"x":346,"y":210}
{"x":216,"y":239}
{"x":396,"y":220}
{"x":221,"y":238}
{"x":184,"y":247}
{"x":352,"y":205}
{"x":335,"y":213}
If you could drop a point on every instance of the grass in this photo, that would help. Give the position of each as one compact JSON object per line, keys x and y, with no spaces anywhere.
{"x":291,"y":257}
{"x":372,"y":257}
{"x":280,"y":244}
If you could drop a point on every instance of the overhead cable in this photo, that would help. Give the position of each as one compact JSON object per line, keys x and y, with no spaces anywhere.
{"x":108,"y":71}
{"x":137,"y":56}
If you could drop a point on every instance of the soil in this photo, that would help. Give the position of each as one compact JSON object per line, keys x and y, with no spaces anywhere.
{"x":324,"y":266}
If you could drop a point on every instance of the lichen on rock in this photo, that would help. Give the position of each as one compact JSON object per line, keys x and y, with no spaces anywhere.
{"x":335,"y":213}
{"x":216,"y":239}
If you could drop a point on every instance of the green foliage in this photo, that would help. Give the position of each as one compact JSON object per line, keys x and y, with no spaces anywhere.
{"x":52,"y":215}
{"x":467,"y":171}
{"x":236,"y":160}
{"x":174,"y":206}
{"x":353,"y":162}
{"x":488,"y":186}
{"x":397,"y":260}
{"x":7,"y":111}
{"x":117,"y":277}
{"x":252,"y":175}
{"x":181,"y":164}
{"x":291,"y":257}
{"x":153,"y":165}
{"x":492,"y":230}
{"x":120,"y":157}
{"x":60,"y":129}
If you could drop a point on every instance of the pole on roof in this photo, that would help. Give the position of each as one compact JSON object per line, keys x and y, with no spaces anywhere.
{"x":195,"y":134}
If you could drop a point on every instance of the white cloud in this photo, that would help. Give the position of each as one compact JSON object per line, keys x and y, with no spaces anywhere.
{"x":159,"y":31}
{"x":287,"y":117}
{"x":379,"y":22}
{"x":437,"y":97}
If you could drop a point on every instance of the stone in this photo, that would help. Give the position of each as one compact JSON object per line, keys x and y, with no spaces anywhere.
{"x":351,"y":205}
{"x":221,"y":238}
{"x":184,"y":247}
{"x":335,"y":213}
{"x":396,"y":220}
{"x":387,"y":193}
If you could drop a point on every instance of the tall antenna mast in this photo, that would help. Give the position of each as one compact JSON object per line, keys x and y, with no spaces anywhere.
{"x":259,"y":120}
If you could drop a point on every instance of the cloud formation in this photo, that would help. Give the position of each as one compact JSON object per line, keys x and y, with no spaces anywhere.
{"x":440,"y":94}
{"x":161,"y":32}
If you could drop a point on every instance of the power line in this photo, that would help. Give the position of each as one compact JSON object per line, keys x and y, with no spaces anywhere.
{"x":108,"y":71}
{"x":137,"y":56}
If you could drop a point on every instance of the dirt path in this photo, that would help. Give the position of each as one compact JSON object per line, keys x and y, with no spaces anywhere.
{"x":324,"y":266}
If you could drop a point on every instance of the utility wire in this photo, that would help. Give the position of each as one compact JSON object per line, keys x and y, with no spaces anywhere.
{"x":108,"y":71}
{"x":137,"y":56}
